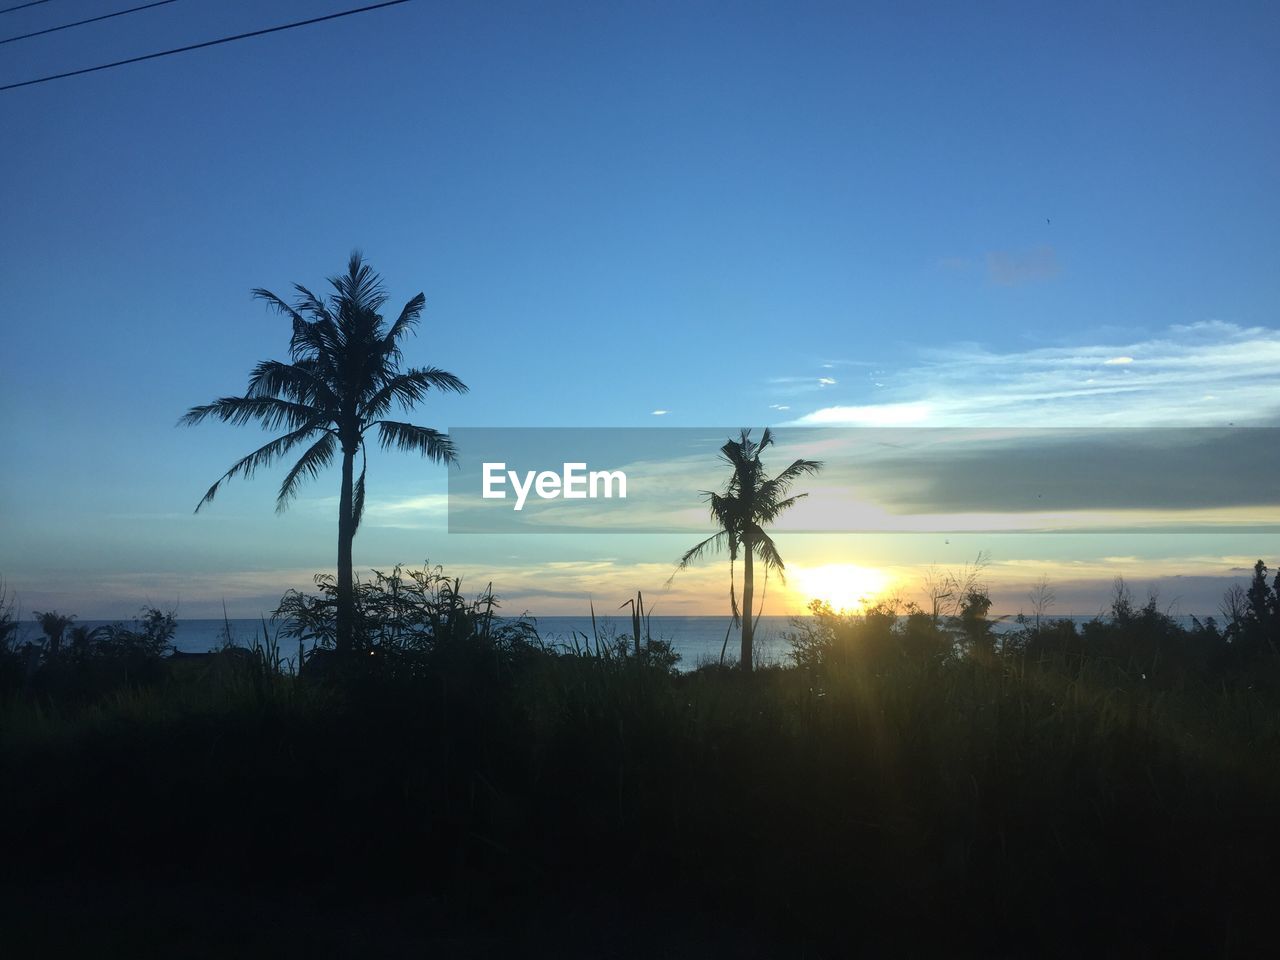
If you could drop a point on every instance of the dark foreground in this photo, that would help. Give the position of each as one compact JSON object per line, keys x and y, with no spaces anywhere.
{"x":897,"y":794}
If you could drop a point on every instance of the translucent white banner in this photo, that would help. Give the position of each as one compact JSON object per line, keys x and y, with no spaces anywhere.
{"x":917,"y":480}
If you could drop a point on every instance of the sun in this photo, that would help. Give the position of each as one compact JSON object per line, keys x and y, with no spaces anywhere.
{"x":844,"y":586}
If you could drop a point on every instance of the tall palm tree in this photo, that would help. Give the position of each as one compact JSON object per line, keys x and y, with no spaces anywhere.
{"x":749,"y":503}
{"x":344,"y":379}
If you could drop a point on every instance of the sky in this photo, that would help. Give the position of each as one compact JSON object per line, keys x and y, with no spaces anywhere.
{"x":625,"y":215}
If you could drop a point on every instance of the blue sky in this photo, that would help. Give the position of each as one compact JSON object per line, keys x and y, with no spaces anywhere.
{"x":953,"y":213}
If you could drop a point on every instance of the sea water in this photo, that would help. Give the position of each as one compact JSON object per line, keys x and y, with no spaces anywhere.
{"x":697,"y":640}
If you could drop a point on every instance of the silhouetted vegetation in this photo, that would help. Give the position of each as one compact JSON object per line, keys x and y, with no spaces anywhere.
{"x":915,"y":782}
{"x":751,"y":501}
{"x":344,"y":379}
{"x":74,"y":662}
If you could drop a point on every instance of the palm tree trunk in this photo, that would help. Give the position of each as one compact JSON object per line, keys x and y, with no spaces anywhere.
{"x":748,"y":590}
{"x":346,"y":533}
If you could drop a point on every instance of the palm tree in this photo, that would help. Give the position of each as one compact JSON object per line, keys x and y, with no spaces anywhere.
{"x":54,"y":626}
{"x":344,"y":379}
{"x":749,"y":503}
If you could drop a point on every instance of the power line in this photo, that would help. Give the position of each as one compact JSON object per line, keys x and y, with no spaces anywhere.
{"x":200,"y":46}
{"x":23,"y":6}
{"x":81,"y":23}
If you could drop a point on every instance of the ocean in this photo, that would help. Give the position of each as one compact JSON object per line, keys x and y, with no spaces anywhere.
{"x":697,"y":640}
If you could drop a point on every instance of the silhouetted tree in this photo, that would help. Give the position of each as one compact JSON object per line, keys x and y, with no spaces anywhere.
{"x":974,"y":625}
{"x":82,"y":639}
{"x":1234,"y":607}
{"x":1042,"y":597}
{"x":939,"y":590}
{"x":1275,"y":601}
{"x":8,"y":617}
{"x":1122,"y":610}
{"x":344,"y":379}
{"x":1256,"y":629}
{"x":1260,"y":596}
{"x":751,"y":501}
{"x":54,"y":626}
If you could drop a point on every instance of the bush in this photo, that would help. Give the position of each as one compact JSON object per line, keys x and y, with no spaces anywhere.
{"x":92,"y":662}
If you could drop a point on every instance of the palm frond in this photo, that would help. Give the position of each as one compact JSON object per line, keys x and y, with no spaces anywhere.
{"x":714,"y":542}
{"x":261,"y":294}
{"x":357,"y":497}
{"x":733,"y":594}
{"x":768,"y":512}
{"x":733,"y":453}
{"x":271,"y":412}
{"x":407,"y":320}
{"x":359,"y":290}
{"x":410,"y":387}
{"x":297,"y":381}
{"x":778,"y":486}
{"x":310,"y":303}
{"x":762,"y":546}
{"x":312,"y":340}
{"x":432,"y":444}
{"x":261,"y":457}
{"x":728,"y":515}
{"x":318,"y":456}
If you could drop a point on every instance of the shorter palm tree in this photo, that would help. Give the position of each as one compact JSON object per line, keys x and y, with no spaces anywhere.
{"x":749,"y":503}
{"x":54,"y":625}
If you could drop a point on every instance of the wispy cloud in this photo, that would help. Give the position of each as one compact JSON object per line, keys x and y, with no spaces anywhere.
{"x":660,"y":413}
{"x":426,"y":511}
{"x":1123,"y":477}
{"x":1202,"y":374}
{"x":830,"y":363}
{"x":870,"y":415}
{"x":790,"y":386}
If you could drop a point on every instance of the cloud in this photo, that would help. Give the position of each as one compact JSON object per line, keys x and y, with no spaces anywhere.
{"x":435,"y":503}
{"x":796,"y":384}
{"x":875,"y":415}
{"x":1203,"y":374}
{"x":1010,"y":269}
{"x":660,"y":413}
{"x":779,"y":406}
{"x":1117,"y":362}
{"x":1191,"y":583}
{"x":426,"y":511}
{"x":831,"y":363}
{"x":1018,"y":471}
{"x":790,"y":386}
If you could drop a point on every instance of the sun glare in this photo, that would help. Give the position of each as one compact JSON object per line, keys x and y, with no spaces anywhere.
{"x":843,"y":585}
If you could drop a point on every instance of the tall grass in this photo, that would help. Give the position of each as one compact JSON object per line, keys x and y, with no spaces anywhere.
{"x":892,"y":790}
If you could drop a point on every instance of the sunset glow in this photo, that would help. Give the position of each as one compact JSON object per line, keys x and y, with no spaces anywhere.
{"x":844,"y":586}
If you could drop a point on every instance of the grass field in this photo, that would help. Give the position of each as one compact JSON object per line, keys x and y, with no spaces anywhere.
{"x":897,"y":791}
